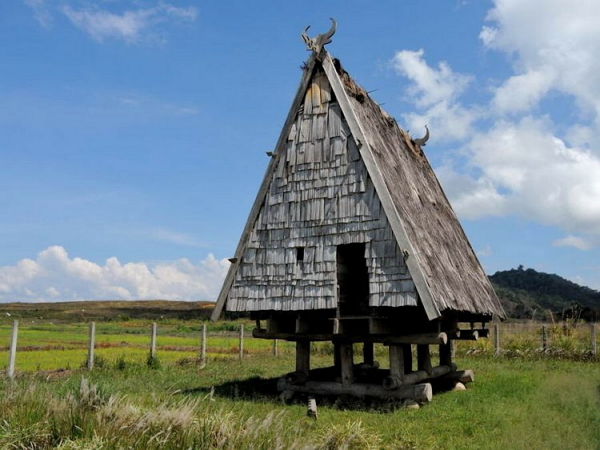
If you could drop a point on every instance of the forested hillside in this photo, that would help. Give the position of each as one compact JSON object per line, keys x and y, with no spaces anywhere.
{"x":527,"y":293}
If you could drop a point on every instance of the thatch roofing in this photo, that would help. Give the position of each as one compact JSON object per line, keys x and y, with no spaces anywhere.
{"x":443,"y":265}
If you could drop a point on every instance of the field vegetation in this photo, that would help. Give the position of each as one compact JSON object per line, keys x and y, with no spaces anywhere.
{"x":523,"y":399}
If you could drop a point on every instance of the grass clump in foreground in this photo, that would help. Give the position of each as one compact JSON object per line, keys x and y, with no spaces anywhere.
{"x":512,"y":404}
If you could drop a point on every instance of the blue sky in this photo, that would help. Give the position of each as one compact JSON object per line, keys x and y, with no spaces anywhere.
{"x":132,"y":133}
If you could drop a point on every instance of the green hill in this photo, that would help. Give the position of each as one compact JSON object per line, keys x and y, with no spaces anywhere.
{"x":527,"y":293}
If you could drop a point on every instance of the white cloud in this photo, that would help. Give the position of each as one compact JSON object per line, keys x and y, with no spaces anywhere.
{"x":525,"y":169}
{"x":554,"y":45}
{"x":132,"y":26}
{"x":512,"y":158}
{"x":54,"y":276}
{"x":575,"y":242}
{"x":435,"y":92}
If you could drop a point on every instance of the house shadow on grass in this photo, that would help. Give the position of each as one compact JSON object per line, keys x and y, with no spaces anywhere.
{"x":265,"y":390}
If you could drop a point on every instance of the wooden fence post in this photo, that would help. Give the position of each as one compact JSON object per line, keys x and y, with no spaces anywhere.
{"x":593,"y":326}
{"x":153,"y":341}
{"x":12,"y":352}
{"x":275,"y":347}
{"x":241,"y":341}
{"x":496,"y":340}
{"x":544,"y":338}
{"x":203,"y":346}
{"x":92,"y":346}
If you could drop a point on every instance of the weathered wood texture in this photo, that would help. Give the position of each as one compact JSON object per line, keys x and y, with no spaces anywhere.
{"x":320,"y":196}
{"x":455,"y":279}
{"x":419,"y":392}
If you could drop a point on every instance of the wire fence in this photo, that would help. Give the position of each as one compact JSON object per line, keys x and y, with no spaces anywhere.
{"x":568,"y":339}
{"x":49,"y":347}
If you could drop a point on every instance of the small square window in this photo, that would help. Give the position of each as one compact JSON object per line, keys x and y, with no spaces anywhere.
{"x":299,"y":253}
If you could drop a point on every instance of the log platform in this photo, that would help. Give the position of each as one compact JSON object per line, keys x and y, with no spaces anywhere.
{"x":404,"y":379}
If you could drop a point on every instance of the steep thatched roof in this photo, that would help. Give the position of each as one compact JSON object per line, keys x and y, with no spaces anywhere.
{"x":445,"y":270}
{"x":451,"y":270}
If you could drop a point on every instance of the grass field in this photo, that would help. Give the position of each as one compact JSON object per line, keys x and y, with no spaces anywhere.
{"x":230,"y":404}
{"x":518,"y":402}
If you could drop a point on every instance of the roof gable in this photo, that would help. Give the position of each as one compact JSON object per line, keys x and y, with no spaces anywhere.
{"x":442,"y":264}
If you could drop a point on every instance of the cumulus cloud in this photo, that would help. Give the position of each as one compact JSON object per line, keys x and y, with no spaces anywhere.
{"x":435,"y":92}
{"x":553,"y":45}
{"x":510,"y":158}
{"x":525,"y":169}
{"x":55,"y":276}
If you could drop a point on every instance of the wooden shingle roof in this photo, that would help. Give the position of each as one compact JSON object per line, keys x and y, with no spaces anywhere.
{"x":445,"y":270}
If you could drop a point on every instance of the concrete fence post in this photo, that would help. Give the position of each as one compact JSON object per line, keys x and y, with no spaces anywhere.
{"x":203,"y":346}
{"x":275,"y":347}
{"x":153,"y":341}
{"x":91,"y":346}
{"x":12,"y":352}
{"x":241,"y":341}
{"x":496,"y":340}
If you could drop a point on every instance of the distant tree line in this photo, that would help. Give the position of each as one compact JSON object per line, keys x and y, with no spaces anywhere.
{"x":527,"y":293}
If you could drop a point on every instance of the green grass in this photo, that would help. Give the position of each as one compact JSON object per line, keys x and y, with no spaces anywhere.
{"x":512,"y":404}
{"x":527,"y":401}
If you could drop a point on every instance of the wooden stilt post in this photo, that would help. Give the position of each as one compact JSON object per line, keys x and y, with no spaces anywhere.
{"x":153,"y":341}
{"x":303,"y":358}
{"x":337,"y":359}
{"x":12,"y":351}
{"x":424,"y":358}
{"x":593,"y":327}
{"x":241,"y":341}
{"x":92,"y":346}
{"x":394,"y":380}
{"x":408,"y":359}
{"x":496,"y":340}
{"x":368,"y":353}
{"x":203,"y":346}
{"x":347,"y":364}
{"x":446,"y":354}
{"x":275,"y":347}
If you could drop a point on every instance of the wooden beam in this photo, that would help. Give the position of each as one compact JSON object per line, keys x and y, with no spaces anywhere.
{"x":378,"y":326}
{"x":464,"y":376}
{"x":420,"y":375}
{"x":465,"y":335}
{"x":419,"y":392}
{"x":423,"y":338}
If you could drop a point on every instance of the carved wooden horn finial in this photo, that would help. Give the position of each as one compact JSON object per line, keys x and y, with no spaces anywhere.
{"x":422,"y":141}
{"x":316,"y":44}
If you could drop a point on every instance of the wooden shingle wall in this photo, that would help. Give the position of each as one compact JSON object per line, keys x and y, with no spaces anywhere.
{"x":320,"y":197}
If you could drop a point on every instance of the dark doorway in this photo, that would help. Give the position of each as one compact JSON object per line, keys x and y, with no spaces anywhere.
{"x":353,"y":280}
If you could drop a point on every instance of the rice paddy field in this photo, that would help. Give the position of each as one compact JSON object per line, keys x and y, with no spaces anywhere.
{"x":525,"y":398}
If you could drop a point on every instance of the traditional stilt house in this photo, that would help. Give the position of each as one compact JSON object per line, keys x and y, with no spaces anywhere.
{"x":352,"y":240}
